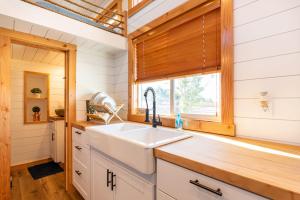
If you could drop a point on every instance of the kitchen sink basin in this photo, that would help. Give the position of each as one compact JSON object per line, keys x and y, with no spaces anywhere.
{"x":121,"y":127}
{"x":133,"y":143}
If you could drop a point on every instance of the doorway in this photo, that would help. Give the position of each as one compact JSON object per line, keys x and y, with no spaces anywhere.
{"x":7,"y":39}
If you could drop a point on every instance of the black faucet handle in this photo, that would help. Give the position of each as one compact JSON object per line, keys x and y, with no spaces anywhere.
{"x":147,"y":115}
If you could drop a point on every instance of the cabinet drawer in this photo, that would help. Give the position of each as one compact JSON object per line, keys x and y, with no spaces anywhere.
{"x":80,"y":173}
{"x":163,"y":196}
{"x":175,"y":181}
{"x":80,"y":137}
{"x":81,"y":153}
{"x":81,"y":178}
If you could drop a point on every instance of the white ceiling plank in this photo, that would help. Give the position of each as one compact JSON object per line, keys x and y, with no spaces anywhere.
{"x":29,"y":53}
{"x":39,"y":30}
{"x":18,"y":51}
{"x":67,"y":38}
{"x":6,"y":22}
{"x":53,"y":34}
{"x":59,"y":60}
{"x":22,"y":26}
{"x":78,"y":41}
{"x":49,"y":57}
{"x":40,"y":55}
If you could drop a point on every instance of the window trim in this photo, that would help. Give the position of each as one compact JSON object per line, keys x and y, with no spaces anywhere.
{"x":133,"y":9}
{"x":226,"y":125}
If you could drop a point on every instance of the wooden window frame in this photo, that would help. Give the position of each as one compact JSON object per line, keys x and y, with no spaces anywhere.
{"x":133,"y":9}
{"x":226,"y":125}
{"x":8,"y":37}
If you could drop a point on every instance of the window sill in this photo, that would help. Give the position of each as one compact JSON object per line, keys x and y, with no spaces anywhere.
{"x":138,"y":7}
{"x":191,"y":124}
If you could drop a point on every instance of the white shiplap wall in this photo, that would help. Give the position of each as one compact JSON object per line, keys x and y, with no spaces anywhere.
{"x":32,"y":142}
{"x":267,"y":52}
{"x":121,"y":81}
{"x":94,"y":73}
{"x":267,"y":58}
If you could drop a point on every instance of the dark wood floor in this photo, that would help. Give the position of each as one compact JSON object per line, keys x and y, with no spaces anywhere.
{"x":47,"y":188}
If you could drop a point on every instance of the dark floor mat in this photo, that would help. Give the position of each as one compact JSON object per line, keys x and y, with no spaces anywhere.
{"x":46,"y":169}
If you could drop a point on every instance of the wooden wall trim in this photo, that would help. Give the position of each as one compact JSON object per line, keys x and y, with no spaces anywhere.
{"x":6,"y":38}
{"x":70,"y":105}
{"x":189,"y":5}
{"x":227,"y":61}
{"x":5,"y":50}
{"x":35,"y":41}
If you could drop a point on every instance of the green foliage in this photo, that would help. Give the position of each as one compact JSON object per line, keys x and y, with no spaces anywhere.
{"x":36,"y":109}
{"x":36,"y":90}
{"x":188,"y":93}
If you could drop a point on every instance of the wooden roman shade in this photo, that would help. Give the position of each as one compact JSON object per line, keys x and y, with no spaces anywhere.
{"x":189,"y":48}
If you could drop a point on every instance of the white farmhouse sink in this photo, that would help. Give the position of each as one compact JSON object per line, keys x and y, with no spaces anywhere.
{"x":132,"y":143}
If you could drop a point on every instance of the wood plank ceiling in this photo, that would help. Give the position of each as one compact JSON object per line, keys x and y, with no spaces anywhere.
{"x":30,"y":54}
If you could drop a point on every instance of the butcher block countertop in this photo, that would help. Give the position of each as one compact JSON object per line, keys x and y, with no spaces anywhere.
{"x":82,"y":125}
{"x":268,"y":169}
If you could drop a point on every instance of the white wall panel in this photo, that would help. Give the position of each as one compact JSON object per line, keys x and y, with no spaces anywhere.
{"x":284,"y":65}
{"x":267,"y":47}
{"x":94,"y":73}
{"x":267,"y":129}
{"x":261,"y":9}
{"x":266,"y":26}
{"x":267,"y":51}
{"x":280,"y":109}
{"x":287,"y":86}
{"x":151,"y":12}
{"x":241,"y":3}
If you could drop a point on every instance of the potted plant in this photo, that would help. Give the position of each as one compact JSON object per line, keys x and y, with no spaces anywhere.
{"x":36,"y":113}
{"x":36,"y":92}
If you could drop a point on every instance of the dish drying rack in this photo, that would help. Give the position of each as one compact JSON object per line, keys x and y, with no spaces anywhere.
{"x":103,"y":111}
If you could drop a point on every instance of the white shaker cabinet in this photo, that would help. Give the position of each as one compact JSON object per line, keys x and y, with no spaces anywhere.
{"x":81,"y":163}
{"x":110,"y":181}
{"x":57,"y":134}
{"x":179,"y":183}
{"x":101,"y":178}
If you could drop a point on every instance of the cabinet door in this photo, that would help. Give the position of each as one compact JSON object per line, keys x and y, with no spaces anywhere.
{"x":162,"y":196}
{"x":126,"y":191}
{"x":99,"y":187}
{"x":52,"y":141}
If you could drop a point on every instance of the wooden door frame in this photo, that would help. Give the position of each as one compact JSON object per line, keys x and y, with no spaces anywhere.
{"x":7,"y":37}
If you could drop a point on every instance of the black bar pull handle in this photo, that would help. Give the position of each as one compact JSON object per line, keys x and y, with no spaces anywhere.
{"x":78,"y":172}
{"x":217,"y":191}
{"x":112,"y":181}
{"x":78,"y":147}
{"x":78,"y":132}
{"x":107,"y":177}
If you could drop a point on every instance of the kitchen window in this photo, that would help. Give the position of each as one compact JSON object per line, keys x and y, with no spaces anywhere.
{"x":196,"y":97}
{"x":187,"y":59}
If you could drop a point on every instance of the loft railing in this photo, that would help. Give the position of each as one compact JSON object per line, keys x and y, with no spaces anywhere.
{"x":88,"y":12}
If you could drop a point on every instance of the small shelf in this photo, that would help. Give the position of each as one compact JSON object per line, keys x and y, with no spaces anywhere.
{"x":36,"y":98}
{"x":41,"y":82}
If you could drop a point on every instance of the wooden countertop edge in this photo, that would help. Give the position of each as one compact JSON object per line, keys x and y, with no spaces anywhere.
{"x":82,"y":125}
{"x":245,"y":183}
{"x":55,"y":118}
